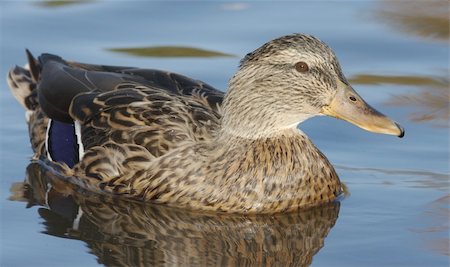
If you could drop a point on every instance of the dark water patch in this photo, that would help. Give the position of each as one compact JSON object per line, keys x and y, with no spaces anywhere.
{"x":61,"y":3}
{"x":371,"y":79}
{"x":169,"y":51}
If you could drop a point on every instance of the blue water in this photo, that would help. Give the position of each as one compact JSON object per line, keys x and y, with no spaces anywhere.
{"x":398,"y":209}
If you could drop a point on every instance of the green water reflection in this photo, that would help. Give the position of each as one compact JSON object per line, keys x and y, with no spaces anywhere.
{"x":169,"y":51}
{"x":61,"y":3}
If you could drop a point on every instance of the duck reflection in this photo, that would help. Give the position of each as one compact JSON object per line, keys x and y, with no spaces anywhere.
{"x":132,"y":234}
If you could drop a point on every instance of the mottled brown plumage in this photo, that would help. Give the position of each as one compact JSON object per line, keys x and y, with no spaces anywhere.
{"x":164,"y":138}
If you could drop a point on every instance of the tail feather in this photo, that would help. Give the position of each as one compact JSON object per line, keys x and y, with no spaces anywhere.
{"x":22,"y":87}
{"x":55,"y":139}
{"x":22,"y":82}
{"x":33,"y":66}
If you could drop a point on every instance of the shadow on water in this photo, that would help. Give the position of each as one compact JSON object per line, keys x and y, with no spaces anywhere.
{"x":132,"y":234}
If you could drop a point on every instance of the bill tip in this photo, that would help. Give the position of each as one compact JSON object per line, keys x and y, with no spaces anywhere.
{"x":402,"y":131}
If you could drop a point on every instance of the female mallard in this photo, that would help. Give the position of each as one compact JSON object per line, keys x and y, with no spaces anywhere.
{"x":161,"y":137}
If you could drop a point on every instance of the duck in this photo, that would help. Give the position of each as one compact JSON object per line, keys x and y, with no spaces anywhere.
{"x":155,"y":136}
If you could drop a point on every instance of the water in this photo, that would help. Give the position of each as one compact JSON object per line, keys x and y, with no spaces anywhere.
{"x":398,"y":210}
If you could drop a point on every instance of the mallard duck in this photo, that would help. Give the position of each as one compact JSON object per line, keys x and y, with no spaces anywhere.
{"x":160,"y":137}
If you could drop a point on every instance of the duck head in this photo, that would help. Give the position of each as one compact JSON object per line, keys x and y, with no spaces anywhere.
{"x":289,"y":80}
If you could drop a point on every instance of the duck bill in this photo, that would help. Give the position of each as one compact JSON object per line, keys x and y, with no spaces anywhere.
{"x":349,"y":106}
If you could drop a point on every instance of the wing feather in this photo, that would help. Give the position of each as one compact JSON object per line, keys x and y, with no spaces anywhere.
{"x":128,"y":116}
{"x":149,"y":117}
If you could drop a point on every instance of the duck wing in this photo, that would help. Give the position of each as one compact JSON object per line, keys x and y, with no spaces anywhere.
{"x":152,"y":109}
{"x":60,"y":81}
{"x":145,"y":116}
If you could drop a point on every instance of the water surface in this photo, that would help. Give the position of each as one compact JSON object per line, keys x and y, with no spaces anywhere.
{"x":398,"y":209}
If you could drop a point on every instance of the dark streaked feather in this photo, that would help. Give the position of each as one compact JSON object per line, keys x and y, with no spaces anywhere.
{"x":75,"y":78}
{"x":34,"y":66}
{"x":149,"y":105}
{"x":149,"y":117}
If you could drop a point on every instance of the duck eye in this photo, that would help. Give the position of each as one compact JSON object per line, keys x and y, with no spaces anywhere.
{"x":301,"y":66}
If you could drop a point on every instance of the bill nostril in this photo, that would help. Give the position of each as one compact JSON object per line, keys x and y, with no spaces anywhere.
{"x":352,"y":98}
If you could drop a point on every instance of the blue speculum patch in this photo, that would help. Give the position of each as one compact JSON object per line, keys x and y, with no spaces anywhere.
{"x":62,"y":143}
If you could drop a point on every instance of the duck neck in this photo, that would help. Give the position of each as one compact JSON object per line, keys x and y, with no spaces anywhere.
{"x":227,"y":138}
{"x":245,"y":112}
